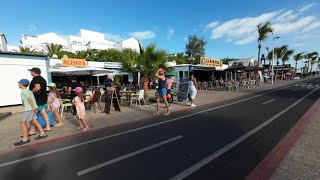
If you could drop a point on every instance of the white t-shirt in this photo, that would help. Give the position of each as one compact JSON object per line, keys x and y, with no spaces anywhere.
{"x":56,"y":102}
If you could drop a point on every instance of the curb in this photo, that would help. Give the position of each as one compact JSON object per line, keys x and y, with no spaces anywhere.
{"x":266,"y":168}
{"x":5,"y":115}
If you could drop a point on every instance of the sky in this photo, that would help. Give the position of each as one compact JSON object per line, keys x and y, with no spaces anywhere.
{"x":228,"y":26}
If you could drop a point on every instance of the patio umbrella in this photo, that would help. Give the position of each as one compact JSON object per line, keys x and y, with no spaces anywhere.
{"x":80,"y":71}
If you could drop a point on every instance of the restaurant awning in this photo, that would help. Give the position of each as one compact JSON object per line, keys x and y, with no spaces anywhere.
{"x":80,"y":71}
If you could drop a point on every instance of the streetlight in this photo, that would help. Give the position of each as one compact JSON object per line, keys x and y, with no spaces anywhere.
{"x":272,"y":73}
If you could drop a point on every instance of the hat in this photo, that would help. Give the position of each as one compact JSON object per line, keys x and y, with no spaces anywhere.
{"x":78,"y":90}
{"x":52,"y":85}
{"x":24,"y":81}
{"x":35,"y":69}
{"x":162,"y":70}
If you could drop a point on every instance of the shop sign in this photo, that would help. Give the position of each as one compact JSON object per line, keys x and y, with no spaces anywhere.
{"x":210,"y":62}
{"x":74,"y":62}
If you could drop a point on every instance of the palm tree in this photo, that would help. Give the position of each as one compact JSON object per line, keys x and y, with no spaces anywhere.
{"x":26,"y":50}
{"x":310,"y":56}
{"x":286,"y":56}
{"x":52,"y":48}
{"x":314,"y":59}
{"x":263,"y":31}
{"x":279,"y":52}
{"x":297,"y":57}
{"x":147,"y":62}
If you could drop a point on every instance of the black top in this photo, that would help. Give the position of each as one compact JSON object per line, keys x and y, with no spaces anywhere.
{"x":162,"y":84}
{"x":73,"y":86}
{"x":41,"y":95}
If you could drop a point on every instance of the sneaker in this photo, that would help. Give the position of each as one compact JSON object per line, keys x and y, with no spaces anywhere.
{"x":188,"y":103}
{"x":21,"y":142}
{"x":41,"y":136}
{"x":193,"y":105}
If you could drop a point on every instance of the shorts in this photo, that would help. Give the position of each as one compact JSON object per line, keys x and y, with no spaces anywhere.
{"x":28,"y":116}
{"x":40,"y":107}
{"x":168,"y":91}
{"x":162,"y":92}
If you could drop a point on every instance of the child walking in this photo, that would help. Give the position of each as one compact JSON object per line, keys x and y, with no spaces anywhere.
{"x":29,"y":114}
{"x":54,"y":102}
{"x":78,"y":101}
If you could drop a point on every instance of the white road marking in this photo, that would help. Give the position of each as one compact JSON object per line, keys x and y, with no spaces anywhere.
{"x":298,"y":89}
{"x":317,"y":85}
{"x":226,"y":148}
{"x":269,"y":101}
{"x":132,"y":130}
{"x":93,"y":168}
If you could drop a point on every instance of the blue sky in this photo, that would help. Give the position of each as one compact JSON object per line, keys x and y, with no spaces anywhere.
{"x":229,"y":27}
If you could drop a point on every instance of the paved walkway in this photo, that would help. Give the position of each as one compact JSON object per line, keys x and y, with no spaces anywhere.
{"x":10,"y":131}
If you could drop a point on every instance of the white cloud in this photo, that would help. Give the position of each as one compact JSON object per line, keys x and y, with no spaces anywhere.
{"x":170,"y":34}
{"x":312,"y":26}
{"x":212,"y":25}
{"x":306,"y":7}
{"x":241,"y":31}
{"x":143,"y":35}
{"x":113,"y":37}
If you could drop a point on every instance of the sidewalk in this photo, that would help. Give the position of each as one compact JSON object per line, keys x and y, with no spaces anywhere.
{"x":10,"y":131}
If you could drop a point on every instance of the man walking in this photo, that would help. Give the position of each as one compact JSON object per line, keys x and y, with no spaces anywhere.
{"x":38,"y":86}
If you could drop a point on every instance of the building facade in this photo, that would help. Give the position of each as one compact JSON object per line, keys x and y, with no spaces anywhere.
{"x":3,"y":43}
{"x":83,"y":41}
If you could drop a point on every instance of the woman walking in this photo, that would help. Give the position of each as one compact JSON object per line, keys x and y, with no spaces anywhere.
{"x":54,"y":102}
{"x":162,"y":91}
{"x":192,"y":89}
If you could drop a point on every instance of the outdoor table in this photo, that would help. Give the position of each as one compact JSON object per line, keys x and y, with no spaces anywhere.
{"x":128,"y":95}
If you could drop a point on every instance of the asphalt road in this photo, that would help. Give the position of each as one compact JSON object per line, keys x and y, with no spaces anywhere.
{"x":224,"y":141}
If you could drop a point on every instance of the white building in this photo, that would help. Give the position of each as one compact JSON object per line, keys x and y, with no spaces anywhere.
{"x":38,"y":42}
{"x":244,"y":61}
{"x":84,"y":40}
{"x":3,"y":43}
{"x":130,"y":43}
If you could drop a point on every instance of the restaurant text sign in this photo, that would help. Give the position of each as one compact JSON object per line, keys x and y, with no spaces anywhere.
{"x":210,"y":62}
{"x":74,"y":62}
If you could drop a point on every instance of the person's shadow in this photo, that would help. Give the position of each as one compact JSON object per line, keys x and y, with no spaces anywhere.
{"x":31,"y":169}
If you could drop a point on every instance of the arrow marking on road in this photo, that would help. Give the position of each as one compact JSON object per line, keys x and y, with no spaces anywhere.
{"x":132,"y":130}
{"x":269,"y":101}
{"x":231,"y":145}
{"x":93,"y":168}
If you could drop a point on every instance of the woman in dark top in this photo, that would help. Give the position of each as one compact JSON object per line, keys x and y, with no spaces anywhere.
{"x":162,"y":91}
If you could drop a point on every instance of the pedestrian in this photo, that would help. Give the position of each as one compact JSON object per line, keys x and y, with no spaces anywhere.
{"x":55,"y":102}
{"x":169,"y":82}
{"x":78,"y":101}
{"x":108,"y":82}
{"x":192,"y":89}
{"x":29,"y":113}
{"x":162,"y":91}
{"x":38,"y":86}
{"x":74,"y":84}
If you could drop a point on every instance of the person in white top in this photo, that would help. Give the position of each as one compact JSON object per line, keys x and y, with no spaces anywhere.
{"x":54,"y":102}
{"x":192,"y":89}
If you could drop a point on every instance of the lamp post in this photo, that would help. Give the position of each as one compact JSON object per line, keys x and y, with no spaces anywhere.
{"x":272,"y":73}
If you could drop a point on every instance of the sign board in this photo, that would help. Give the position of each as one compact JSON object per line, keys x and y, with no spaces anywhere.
{"x":111,"y":99}
{"x":130,"y":78}
{"x":183,"y":90}
{"x":210,"y":62}
{"x":74,"y":62}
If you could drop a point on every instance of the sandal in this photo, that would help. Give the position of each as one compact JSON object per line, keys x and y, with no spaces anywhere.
{"x":41,"y":136}
{"x":21,"y":142}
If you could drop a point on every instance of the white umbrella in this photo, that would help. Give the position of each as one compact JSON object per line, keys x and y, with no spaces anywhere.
{"x":80,"y":71}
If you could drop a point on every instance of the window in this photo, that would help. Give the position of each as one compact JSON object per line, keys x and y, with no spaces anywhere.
{"x":186,"y":74}
{"x":76,"y":43}
{"x":180,"y":74}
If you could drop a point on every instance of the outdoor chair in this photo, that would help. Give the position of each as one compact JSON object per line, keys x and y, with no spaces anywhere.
{"x":96,"y":101}
{"x":205,"y":85}
{"x":138,"y":97}
{"x":65,"y":106}
{"x":200,"y":85}
{"x":236,"y":86}
{"x":210,"y":84}
{"x":227,"y":86}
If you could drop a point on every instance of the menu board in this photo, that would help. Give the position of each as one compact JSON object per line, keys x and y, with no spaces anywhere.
{"x":183,"y":90}
{"x":111,"y":99}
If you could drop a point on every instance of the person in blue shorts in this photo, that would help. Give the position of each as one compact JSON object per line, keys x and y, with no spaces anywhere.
{"x":162,"y":91}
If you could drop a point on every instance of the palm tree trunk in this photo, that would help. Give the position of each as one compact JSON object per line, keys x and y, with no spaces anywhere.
{"x":146,"y":88}
{"x":259,"y":49}
{"x":282,"y":75}
{"x":275,"y":76}
{"x":296,"y":67}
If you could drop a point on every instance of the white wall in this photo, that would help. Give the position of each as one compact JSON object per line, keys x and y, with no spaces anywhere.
{"x":3,"y":43}
{"x":91,"y":36}
{"x":99,"y":46}
{"x":29,"y":41}
{"x":76,"y":43}
{"x":130,"y":43}
{"x":51,"y":38}
{"x":15,"y":69}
